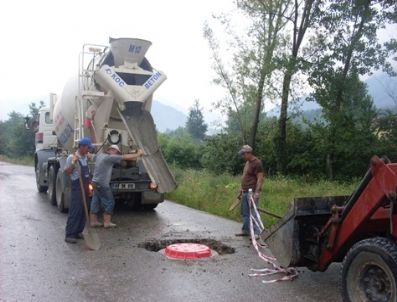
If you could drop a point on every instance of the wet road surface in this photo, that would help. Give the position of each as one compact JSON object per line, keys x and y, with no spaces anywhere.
{"x":37,"y":265}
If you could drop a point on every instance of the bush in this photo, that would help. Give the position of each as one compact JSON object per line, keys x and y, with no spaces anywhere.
{"x":181,"y":151}
{"x":220,"y":154}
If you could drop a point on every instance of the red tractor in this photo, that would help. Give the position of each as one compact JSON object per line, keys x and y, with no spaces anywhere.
{"x":359,"y":230}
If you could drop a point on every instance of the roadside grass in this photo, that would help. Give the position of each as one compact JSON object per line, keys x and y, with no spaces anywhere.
{"x":214,"y":193}
{"x":25,"y":160}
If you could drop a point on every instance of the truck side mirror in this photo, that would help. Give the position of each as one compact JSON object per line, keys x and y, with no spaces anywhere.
{"x":27,"y":122}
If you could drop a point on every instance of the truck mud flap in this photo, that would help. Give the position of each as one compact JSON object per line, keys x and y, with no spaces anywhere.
{"x":141,"y":128}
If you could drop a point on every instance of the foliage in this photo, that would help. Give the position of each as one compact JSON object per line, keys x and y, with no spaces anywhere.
{"x":181,"y":150}
{"x":215,"y":192}
{"x":252,"y":62}
{"x":348,"y":45}
{"x":303,"y":16}
{"x":195,"y":124}
{"x":16,"y":138}
{"x":220,"y":154}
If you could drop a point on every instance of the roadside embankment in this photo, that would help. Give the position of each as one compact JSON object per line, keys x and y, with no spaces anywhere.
{"x":214,"y":193}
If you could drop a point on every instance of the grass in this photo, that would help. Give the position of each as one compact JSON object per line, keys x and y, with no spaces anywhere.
{"x":214,"y":193}
{"x":25,"y":160}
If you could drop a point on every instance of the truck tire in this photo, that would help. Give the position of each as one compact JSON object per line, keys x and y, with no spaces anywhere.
{"x":150,"y":207}
{"x":40,"y":188}
{"x":60,"y":194}
{"x":369,"y":271}
{"x":52,"y":174}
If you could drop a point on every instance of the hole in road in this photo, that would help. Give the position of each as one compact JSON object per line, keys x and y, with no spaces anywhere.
{"x":217,"y":246}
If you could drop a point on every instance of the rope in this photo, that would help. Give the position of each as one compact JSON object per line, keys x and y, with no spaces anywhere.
{"x":290,"y":273}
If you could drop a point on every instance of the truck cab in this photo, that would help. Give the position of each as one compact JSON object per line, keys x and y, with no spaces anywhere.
{"x":44,"y":132}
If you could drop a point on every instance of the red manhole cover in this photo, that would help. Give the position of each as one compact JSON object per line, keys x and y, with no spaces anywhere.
{"x":187,"y":251}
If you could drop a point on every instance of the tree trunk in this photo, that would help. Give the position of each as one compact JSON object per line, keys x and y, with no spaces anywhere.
{"x":282,"y":143}
{"x":258,"y":110}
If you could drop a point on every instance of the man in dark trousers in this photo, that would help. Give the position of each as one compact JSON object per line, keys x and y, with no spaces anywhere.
{"x":76,"y":166}
{"x":252,"y":178}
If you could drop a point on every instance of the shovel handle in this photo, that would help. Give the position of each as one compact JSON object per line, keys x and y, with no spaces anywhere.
{"x":84,"y":199}
{"x":268,"y":213}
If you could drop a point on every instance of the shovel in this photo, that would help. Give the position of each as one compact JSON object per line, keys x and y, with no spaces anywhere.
{"x":237,"y":202}
{"x":91,"y":238}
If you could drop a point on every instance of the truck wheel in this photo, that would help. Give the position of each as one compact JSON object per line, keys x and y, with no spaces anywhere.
{"x":369,"y":271}
{"x":40,"y":188}
{"x":52,"y":185}
{"x":150,"y":207}
{"x":60,"y":194}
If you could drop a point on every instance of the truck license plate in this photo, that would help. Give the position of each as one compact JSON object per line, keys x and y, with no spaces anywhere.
{"x":123,"y":186}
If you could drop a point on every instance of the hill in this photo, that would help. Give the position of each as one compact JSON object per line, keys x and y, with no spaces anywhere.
{"x":167,"y":117}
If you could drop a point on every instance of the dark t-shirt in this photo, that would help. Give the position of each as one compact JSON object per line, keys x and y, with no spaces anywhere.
{"x":251,"y":169}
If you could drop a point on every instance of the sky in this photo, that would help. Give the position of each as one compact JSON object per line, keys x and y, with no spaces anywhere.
{"x":41,"y":41}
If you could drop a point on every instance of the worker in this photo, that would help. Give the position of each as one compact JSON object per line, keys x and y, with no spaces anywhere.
{"x":252,"y":178}
{"x":76,"y":167}
{"x":102,"y":198}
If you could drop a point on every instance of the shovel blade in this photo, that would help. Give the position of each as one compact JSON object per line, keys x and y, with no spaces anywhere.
{"x":91,"y":239}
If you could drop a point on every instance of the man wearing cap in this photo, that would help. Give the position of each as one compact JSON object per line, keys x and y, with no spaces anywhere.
{"x":103,"y":197}
{"x":76,"y":167}
{"x":252,"y":178}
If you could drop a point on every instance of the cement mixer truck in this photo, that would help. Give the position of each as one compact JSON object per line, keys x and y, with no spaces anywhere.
{"x":109,"y":101}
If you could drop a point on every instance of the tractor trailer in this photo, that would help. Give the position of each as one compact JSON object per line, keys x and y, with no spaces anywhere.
{"x":109,"y":100}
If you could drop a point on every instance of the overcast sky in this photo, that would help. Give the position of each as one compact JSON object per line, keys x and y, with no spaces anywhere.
{"x":41,"y":41}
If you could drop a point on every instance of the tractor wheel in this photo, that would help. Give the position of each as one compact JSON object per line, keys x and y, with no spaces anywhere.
{"x":52,"y":185}
{"x":369,"y":271}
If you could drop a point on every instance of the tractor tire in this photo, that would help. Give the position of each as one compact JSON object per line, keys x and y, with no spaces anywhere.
{"x":52,"y":177}
{"x":369,"y":271}
{"x":40,"y":188}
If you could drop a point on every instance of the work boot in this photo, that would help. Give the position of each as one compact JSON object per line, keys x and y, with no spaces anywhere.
{"x":70,"y":240}
{"x":94,"y":221}
{"x":243,"y":234}
{"x":80,"y":236}
{"x":106,"y":221}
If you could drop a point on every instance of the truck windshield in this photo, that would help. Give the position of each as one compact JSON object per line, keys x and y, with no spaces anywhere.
{"x":47,"y":118}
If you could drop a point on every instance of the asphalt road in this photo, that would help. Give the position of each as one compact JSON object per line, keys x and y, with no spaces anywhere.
{"x":37,"y":265}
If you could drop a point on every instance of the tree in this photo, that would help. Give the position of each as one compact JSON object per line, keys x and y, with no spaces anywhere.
{"x":195,"y":124}
{"x":347,"y":46}
{"x":302,"y":16}
{"x":252,"y":57}
{"x":15,"y":139}
{"x":179,"y":148}
{"x":352,"y":125}
{"x":220,"y":154}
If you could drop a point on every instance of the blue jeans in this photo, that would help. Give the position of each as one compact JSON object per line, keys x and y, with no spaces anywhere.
{"x":102,"y":199}
{"x":245,"y":214}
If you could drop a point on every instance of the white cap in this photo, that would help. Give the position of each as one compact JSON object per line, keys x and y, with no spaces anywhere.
{"x":245,"y":149}
{"x":115,"y":147}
